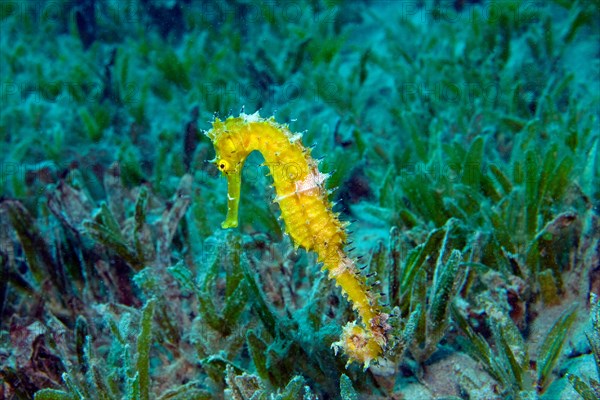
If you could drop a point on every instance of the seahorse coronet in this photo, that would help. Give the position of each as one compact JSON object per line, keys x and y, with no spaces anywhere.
{"x":308,"y":216}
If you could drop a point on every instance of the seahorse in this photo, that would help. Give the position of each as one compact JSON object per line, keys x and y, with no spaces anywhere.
{"x":308,"y":216}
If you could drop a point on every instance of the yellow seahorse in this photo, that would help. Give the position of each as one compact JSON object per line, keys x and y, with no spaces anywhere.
{"x":308,"y":216}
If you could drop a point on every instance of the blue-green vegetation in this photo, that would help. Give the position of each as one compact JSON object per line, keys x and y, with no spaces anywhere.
{"x":462,"y":137}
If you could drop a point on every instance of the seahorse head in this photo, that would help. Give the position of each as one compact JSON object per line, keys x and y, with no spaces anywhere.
{"x":229,"y":159}
{"x":229,"y":149}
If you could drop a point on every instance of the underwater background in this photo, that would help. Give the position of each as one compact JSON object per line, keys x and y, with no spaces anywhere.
{"x":462,"y":138}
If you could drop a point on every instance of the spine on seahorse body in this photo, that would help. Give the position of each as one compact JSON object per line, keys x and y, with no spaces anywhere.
{"x":307,"y":214}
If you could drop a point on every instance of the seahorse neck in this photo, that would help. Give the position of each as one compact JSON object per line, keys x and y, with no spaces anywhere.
{"x":268,"y":138}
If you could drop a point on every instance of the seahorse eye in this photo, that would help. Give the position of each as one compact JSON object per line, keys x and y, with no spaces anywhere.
{"x":223,"y":165}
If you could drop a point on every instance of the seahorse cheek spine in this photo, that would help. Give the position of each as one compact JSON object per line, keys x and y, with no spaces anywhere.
{"x":306,"y":211}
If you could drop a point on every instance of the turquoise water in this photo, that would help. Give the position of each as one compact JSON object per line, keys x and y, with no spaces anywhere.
{"x":461,"y":139}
